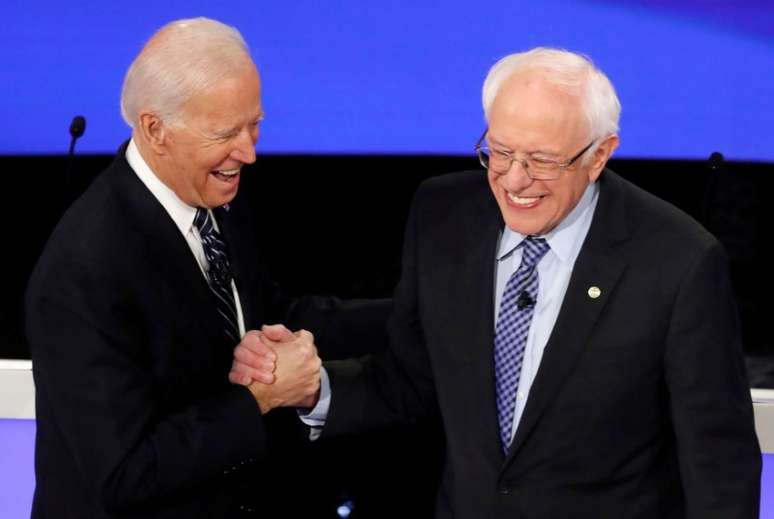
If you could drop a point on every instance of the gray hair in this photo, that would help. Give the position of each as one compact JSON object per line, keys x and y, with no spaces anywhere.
{"x":182,"y":58}
{"x":574,"y":73}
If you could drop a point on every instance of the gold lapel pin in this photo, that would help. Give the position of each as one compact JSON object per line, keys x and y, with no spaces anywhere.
{"x":594,"y":292}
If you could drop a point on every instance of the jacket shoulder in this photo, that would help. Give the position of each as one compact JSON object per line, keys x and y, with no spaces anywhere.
{"x":647,"y":214}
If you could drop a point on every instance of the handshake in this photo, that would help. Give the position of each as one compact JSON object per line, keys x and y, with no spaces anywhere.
{"x":279,"y":367}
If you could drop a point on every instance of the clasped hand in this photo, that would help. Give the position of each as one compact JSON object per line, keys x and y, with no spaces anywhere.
{"x":279,"y":367}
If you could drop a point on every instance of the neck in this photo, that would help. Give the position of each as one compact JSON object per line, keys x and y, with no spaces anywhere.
{"x":154,"y":161}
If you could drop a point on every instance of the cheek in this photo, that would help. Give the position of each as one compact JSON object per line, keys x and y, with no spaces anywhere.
{"x":497,"y":189}
{"x":569,"y":194}
{"x":492,"y":183}
{"x":219,"y":159}
{"x":210,"y":161}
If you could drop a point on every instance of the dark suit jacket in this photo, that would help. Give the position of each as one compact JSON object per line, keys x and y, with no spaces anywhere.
{"x":135,"y":414}
{"x":640,"y":408}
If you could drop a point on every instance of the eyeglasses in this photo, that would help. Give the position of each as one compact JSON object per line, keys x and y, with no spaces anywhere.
{"x":537,"y":168}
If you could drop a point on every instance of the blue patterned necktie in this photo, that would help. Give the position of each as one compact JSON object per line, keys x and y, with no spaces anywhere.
{"x":516,"y":308}
{"x":218,"y":273}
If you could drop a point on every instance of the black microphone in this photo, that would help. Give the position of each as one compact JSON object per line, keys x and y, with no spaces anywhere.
{"x":524,"y":300}
{"x":77,"y":129}
{"x":715,"y":161}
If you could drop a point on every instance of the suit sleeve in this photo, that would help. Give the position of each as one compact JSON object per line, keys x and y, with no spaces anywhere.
{"x":342,"y":328}
{"x":95,"y":385}
{"x":395,"y":386}
{"x":711,"y":408}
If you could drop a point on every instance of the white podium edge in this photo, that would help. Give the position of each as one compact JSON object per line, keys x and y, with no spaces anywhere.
{"x":17,"y":400}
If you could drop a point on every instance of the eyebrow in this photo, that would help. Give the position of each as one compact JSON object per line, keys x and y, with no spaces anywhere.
{"x":226,"y":132}
{"x":507,"y":149}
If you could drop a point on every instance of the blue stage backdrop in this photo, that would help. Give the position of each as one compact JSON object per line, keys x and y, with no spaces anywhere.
{"x":348,"y":76}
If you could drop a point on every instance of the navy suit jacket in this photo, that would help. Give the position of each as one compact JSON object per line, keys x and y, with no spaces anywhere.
{"x":640,"y":407}
{"x":135,"y":414}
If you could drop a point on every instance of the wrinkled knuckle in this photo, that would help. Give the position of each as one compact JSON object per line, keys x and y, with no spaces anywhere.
{"x":306,"y":351}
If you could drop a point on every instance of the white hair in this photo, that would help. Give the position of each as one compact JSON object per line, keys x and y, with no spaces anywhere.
{"x":182,"y":58}
{"x":571,"y":72}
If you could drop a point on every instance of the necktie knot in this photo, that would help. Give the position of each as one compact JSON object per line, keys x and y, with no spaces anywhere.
{"x":202,"y":222}
{"x":534,"y":250}
{"x":215,"y":250}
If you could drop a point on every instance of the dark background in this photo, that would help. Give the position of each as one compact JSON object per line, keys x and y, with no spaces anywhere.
{"x":334,"y":225}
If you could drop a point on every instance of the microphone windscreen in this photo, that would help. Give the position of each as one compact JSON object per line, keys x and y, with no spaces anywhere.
{"x":716,"y":160}
{"x":78,"y":126}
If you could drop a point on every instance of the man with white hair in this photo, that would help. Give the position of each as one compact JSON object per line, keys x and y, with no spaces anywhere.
{"x":577,"y":335}
{"x":144,"y":289}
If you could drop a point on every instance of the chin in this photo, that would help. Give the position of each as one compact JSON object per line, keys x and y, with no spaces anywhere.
{"x":526,"y":228}
{"x":213,"y":202}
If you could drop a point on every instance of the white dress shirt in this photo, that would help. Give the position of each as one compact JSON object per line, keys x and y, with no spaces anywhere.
{"x":182,"y":214}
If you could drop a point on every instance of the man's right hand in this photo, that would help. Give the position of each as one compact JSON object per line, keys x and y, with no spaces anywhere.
{"x":297,"y":367}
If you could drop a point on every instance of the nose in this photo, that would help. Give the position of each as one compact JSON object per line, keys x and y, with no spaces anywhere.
{"x":516,"y":178}
{"x":244,"y":147}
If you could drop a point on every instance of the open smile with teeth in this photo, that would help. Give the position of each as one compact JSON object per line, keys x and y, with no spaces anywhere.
{"x":523,"y":200}
{"x":226,"y":175}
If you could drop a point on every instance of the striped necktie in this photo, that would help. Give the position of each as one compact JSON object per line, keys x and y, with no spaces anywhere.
{"x":516,"y":308}
{"x":218,"y":273}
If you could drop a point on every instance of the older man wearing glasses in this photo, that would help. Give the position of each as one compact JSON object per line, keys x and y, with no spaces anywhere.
{"x":577,"y":335}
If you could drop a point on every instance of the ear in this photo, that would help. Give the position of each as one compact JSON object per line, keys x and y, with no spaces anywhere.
{"x":153,"y":131}
{"x":601,"y":155}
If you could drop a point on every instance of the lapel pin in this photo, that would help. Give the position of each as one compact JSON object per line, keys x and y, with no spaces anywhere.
{"x":594,"y":292}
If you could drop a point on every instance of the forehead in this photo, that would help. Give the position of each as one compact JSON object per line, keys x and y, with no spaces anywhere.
{"x":233,"y":99}
{"x":530,"y":114}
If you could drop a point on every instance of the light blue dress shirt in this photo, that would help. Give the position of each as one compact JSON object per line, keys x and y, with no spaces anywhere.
{"x":554,"y":271}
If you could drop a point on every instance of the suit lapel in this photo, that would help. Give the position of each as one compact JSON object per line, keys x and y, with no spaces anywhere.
{"x":170,"y":255}
{"x":476,"y":289}
{"x":238,"y":250}
{"x":596,"y":266}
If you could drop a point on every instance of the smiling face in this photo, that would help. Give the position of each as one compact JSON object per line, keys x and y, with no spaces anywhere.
{"x":200,"y":159}
{"x":531,"y":116}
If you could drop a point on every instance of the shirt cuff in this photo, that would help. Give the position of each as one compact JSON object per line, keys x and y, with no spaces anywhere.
{"x":315,"y":417}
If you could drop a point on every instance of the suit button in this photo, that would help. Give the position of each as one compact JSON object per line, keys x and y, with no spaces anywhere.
{"x":504,"y":490}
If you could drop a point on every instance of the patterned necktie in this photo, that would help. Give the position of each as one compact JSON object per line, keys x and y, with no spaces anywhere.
{"x":218,"y":273}
{"x":516,"y":308}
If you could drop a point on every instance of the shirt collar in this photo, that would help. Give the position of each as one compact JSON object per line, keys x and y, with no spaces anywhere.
{"x":180,"y":212}
{"x":566,"y":238}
